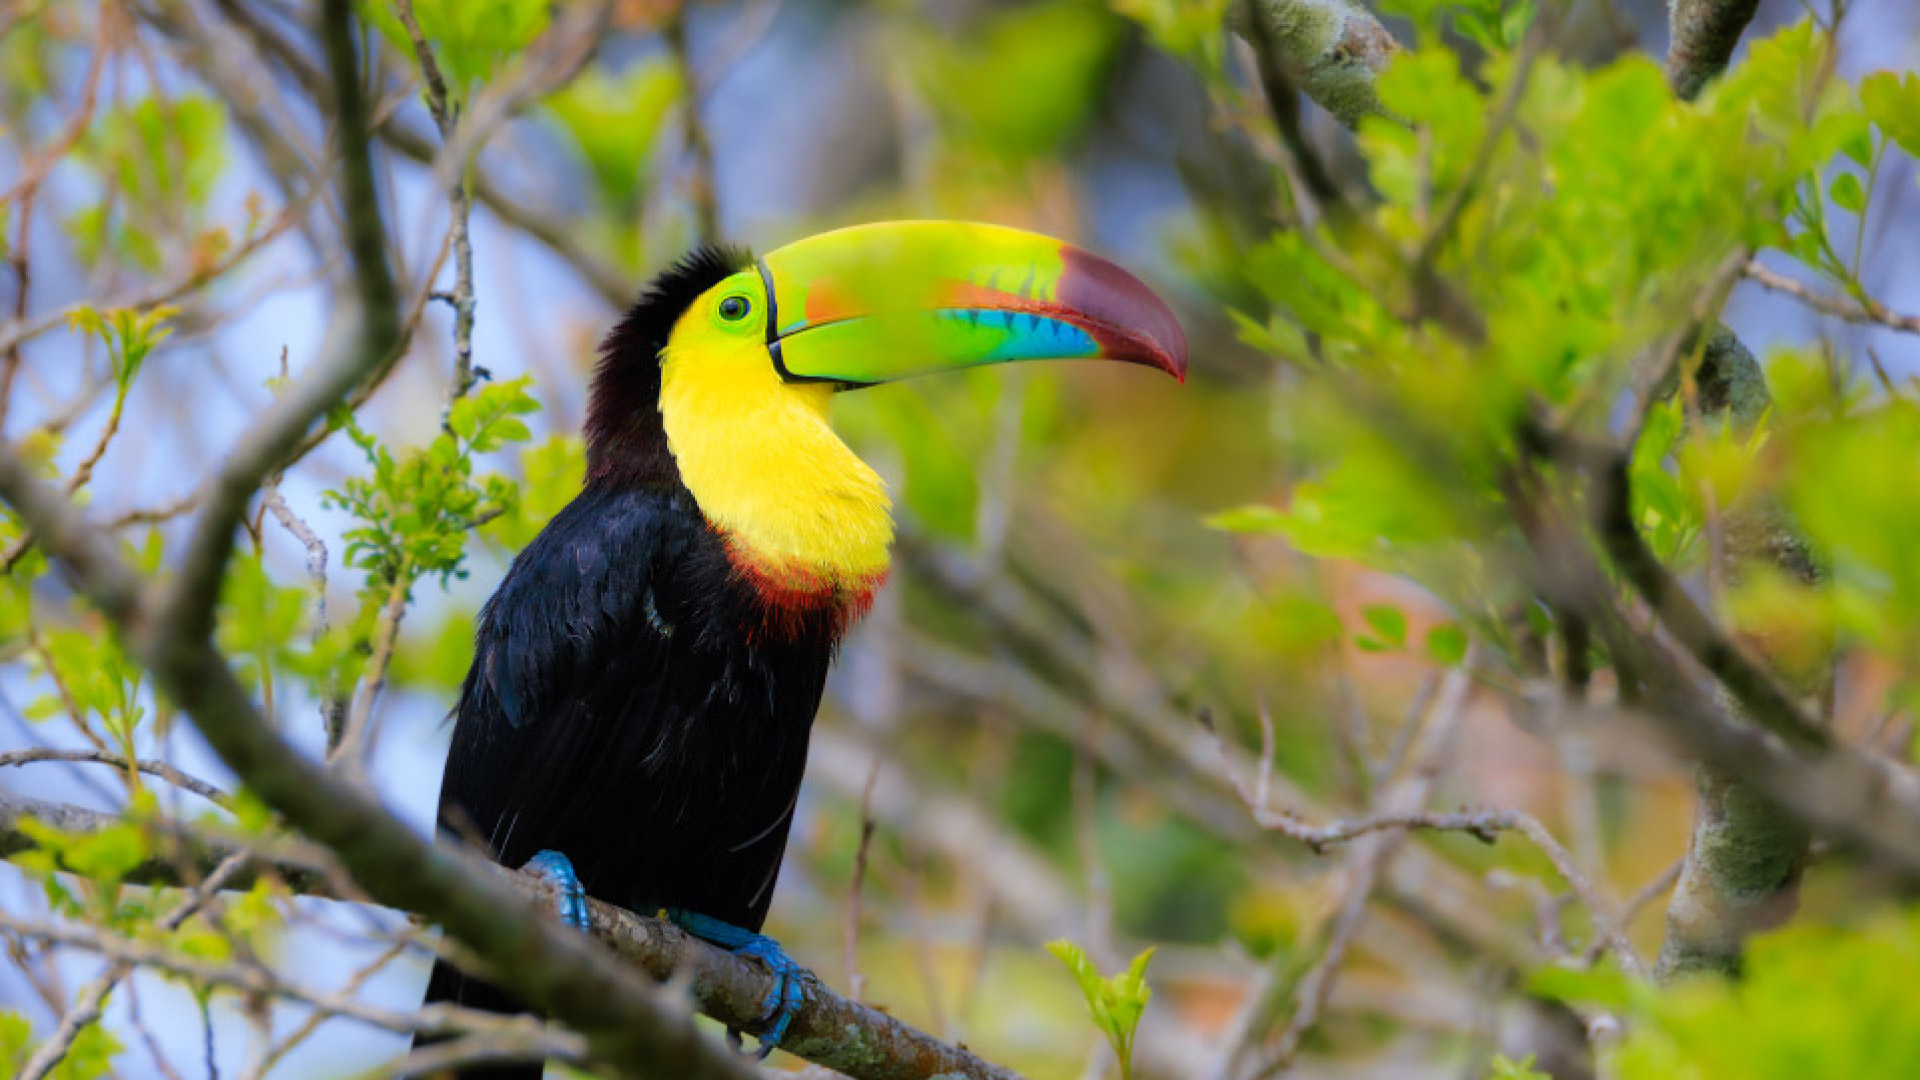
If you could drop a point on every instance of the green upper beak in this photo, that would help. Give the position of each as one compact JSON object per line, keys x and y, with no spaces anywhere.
{"x":875,"y":303}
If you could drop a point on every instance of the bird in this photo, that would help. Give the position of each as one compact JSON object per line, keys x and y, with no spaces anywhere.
{"x":634,"y":723}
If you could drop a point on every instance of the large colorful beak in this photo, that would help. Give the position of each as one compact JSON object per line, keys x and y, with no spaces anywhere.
{"x":876,"y":303}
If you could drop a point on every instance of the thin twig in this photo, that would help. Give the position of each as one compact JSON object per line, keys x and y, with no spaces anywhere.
{"x":1869,"y":312}
{"x":1308,"y":995}
{"x":700,"y":191}
{"x":446,"y":116}
{"x":346,"y":750}
{"x":856,"y":982}
{"x":247,"y":980}
{"x":151,"y":766}
{"x":92,"y":999}
{"x":332,"y":708}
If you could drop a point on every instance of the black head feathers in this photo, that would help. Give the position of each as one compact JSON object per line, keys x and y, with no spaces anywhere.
{"x":626,"y":445}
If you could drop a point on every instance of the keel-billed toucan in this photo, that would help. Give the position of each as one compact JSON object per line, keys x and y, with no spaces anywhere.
{"x":635,"y":721}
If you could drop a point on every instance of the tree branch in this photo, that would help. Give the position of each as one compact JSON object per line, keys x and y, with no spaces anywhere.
{"x":1865,"y":313}
{"x":446,"y":116}
{"x":613,"y":285}
{"x":150,"y":766}
{"x":1703,"y":36}
{"x":1859,"y":800}
{"x":1332,"y":49}
{"x":829,"y":1030}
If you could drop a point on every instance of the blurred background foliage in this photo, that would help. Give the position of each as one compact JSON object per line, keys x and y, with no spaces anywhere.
{"x":1111,"y":595}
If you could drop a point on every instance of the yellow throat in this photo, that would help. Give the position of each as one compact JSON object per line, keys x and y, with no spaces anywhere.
{"x":764,"y":464}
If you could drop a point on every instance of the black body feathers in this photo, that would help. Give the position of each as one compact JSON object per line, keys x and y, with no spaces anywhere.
{"x":616,"y":713}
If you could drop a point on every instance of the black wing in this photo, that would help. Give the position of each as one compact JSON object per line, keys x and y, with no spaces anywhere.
{"x":615,"y":712}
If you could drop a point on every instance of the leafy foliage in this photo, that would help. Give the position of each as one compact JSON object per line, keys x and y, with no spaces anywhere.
{"x":1783,"y":1019}
{"x":471,"y":42}
{"x":1505,"y":1068}
{"x":130,"y":336}
{"x":417,"y":508}
{"x":91,"y":1056}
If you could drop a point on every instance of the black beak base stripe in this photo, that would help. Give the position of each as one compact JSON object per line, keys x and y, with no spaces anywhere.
{"x":773,"y":338}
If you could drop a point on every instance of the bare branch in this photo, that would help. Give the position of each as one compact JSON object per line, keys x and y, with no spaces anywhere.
{"x":1299,"y":994}
{"x":1869,"y":312}
{"x":332,"y":708}
{"x":150,"y":766}
{"x":344,"y":748}
{"x":446,"y":116}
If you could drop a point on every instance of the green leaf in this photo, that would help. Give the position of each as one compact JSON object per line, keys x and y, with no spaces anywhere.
{"x":1023,"y":82}
{"x":1257,"y":519}
{"x":1847,"y":193}
{"x":1505,"y":1068}
{"x":1892,"y":102}
{"x":1389,"y":622}
{"x":1447,"y":644}
{"x":614,"y":121}
{"x":471,"y":39}
{"x":1189,"y":29}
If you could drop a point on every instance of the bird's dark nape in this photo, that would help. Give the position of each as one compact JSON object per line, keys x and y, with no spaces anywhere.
{"x":626,"y":445}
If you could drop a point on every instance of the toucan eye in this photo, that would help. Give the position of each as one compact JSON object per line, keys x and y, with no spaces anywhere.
{"x":734,"y":308}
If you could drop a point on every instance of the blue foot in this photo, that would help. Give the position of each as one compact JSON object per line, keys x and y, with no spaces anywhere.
{"x":570,"y":897}
{"x":789,"y":978}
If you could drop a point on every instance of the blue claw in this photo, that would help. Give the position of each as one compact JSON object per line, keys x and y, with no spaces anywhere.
{"x":570,"y":897}
{"x":789,"y":978}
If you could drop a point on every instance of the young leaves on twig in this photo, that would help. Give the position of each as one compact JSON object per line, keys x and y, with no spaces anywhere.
{"x":1116,"y":1001}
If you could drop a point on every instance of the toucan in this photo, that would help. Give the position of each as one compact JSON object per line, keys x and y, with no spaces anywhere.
{"x":634,"y":725}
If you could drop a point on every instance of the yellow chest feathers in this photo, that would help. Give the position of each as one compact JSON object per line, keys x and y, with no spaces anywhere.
{"x":761,"y":459}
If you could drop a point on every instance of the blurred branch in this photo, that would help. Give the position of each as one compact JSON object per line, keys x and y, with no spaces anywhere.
{"x":553,"y":60}
{"x":699,"y":148}
{"x":1859,"y":800}
{"x":1283,"y":104}
{"x":1484,"y":825}
{"x":1764,"y":700}
{"x":1866,"y":312}
{"x":302,"y":867}
{"x":1332,"y":49}
{"x":21,"y":329}
{"x":1743,"y":864}
{"x":615,"y":286}
{"x":1703,"y":34}
{"x":1299,"y":991}
{"x":829,"y":1030}
{"x":1147,"y":741}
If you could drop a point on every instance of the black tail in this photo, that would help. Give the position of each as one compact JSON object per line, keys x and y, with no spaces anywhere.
{"x":451,"y":985}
